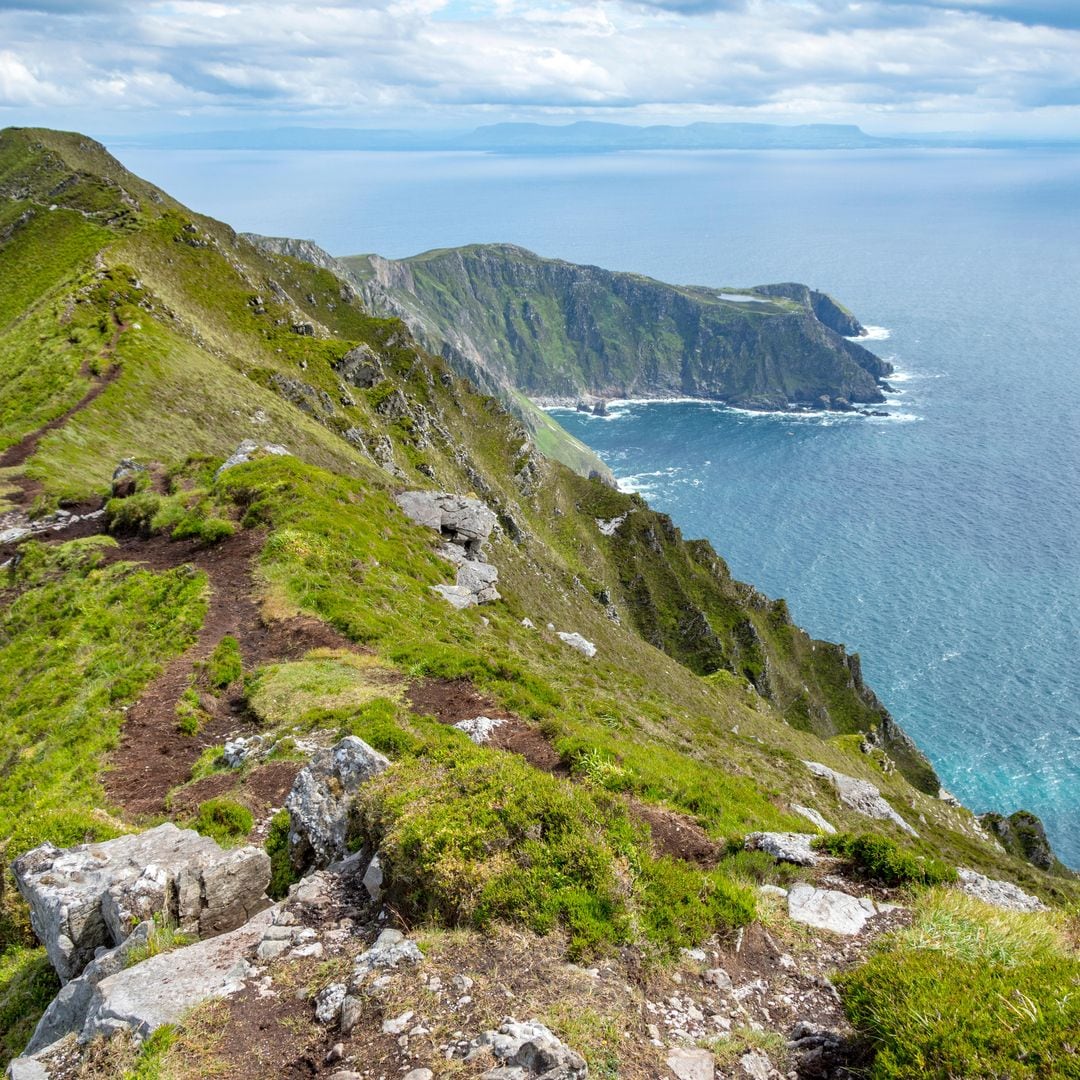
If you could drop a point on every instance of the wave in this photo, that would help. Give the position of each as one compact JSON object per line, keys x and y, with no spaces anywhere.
{"x":873,"y":333}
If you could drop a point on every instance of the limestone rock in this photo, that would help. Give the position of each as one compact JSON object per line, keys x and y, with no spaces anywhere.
{"x":479,"y":728}
{"x":456,"y":595}
{"x":479,"y":578}
{"x":786,"y":847}
{"x":860,"y":795}
{"x":391,"y":949}
{"x":328,"y":1003}
{"x":319,"y":800}
{"x":247,"y":450}
{"x":576,"y":641}
{"x":464,"y":521}
{"x":160,"y":990}
{"x":526,"y":1050}
{"x":1002,"y":894}
{"x":93,"y":895}
{"x":812,"y":815}
{"x":67,"y":1011}
{"x":755,"y":1066}
{"x":829,"y":910}
{"x":690,"y":1063}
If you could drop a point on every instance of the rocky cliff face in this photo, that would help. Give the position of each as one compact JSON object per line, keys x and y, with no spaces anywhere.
{"x":556,"y":329}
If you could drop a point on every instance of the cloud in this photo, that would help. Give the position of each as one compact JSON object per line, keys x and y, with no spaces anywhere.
{"x":408,"y":62}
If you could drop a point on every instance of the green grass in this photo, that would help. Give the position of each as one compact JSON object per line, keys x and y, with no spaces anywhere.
{"x":282,"y":872}
{"x":470,"y":836}
{"x":224,"y":820}
{"x":163,"y":938}
{"x":78,"y":644}
{"x":27,"y":985}
{"x":969,"y":991}
{"x":225,"y":665}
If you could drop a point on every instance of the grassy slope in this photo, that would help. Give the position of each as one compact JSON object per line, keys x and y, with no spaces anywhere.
{"x":198,"y":375}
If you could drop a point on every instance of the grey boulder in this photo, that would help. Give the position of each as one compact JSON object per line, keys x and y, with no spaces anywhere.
{"x":1001,"y":894}
{"x":320,"y":798}
{"x":160,"y":990}
{"x":462,"y":520}
{"x":248,"y":450}
{"x":93,"y":895}
{"x":786,"y":847}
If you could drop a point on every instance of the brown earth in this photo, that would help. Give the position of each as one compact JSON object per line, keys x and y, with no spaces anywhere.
{"x":153,"y":755}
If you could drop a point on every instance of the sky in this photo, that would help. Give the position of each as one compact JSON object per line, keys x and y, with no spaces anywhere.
{"x":117,"y":67}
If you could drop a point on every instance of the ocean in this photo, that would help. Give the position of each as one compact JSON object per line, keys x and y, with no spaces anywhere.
{"x":942,"y":542}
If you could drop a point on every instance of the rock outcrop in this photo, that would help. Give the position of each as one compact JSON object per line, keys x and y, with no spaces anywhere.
{"x":465,"y":524}
{"x":529,"y":1049}
{"x":828,"y":909}
{"x":860,"y":795}
{"x":92,"y":896}
{"x":1002,"y":894}
{"x":247,"y":451}
{"x":319,"y":801}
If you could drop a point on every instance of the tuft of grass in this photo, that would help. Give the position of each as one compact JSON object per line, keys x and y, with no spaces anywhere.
{"x":163,"y":938}
{"x":27,"y":984}
{"x":225,"y":665}
{"x":880,"y":859}
{"x":224,"y":820}
{"x":969,"y":990}
{"x":189,"y":712}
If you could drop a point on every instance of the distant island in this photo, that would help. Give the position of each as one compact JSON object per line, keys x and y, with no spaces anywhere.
{"x":581,"y":137}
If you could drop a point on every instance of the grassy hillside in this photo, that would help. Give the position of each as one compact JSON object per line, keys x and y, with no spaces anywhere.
{"x":294,"y":580}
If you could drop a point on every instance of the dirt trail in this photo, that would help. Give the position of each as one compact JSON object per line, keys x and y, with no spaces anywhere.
{"x":153,"y":755}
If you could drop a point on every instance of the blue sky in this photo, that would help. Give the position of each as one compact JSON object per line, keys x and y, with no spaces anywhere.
{"x":129,"y":66}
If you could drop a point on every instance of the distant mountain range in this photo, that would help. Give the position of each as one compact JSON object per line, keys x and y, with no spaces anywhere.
{"x":580,"y":137}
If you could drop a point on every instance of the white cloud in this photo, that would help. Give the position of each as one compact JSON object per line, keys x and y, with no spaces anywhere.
{"x":389,"y":61}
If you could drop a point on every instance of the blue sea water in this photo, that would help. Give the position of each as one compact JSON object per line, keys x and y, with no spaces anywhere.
{"x":942,"y":543}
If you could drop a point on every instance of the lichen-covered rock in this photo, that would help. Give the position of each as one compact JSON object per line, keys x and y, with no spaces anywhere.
{"x":526,"y":1050}
{"x":93,"y":895}
{"x":67,"y":1011}
{"x":318,"y":803}
{"x":812,"y":815}
{"x":691,"y":1063}
{"x":479,"y":578}
{"x":464,"y":521}
{"x":860,"y":795}
{"x":479,"y":728}
{"x":1002,"y":894}
{"x":787,"y":847}
{"x":391,"y":949}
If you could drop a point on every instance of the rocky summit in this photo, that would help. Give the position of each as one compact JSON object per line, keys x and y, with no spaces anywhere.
{"x":349,"y":733}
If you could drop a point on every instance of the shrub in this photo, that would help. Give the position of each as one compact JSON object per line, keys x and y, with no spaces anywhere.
{"x":471,"y":836}
{"x":133,"y":514}
{"x":226,"y":821}
{"x":880,"y":859}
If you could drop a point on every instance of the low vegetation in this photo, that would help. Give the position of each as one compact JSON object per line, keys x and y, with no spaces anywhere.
{"x":877,"y":858}
{"x":970,"y":991}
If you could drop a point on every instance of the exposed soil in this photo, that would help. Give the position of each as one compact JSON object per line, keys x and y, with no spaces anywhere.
{"x":676,"y":835}
{"x":261,"y":790}
{"x":153,"y":755}
{"x":452,"y":700}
